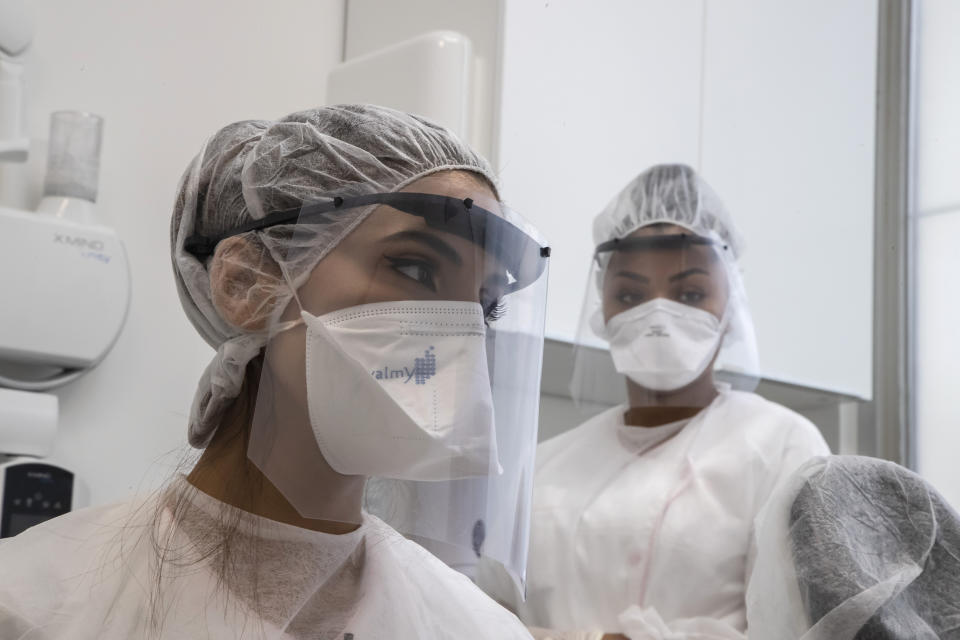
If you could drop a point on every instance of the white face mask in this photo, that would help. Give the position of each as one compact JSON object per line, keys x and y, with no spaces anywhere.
{"x":410,"y":397}
{"x":663,"y":345}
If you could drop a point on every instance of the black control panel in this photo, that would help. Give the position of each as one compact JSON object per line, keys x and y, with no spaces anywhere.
{"x":33,"y":492}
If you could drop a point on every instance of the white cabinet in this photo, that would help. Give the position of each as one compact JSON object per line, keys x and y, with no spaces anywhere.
{"x":773,"y":101}
{"x":592,"y":93}
{"x":788,"y":142}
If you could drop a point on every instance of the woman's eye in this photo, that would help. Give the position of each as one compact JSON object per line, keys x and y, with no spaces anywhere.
{"x":692,"y":297}
{"x":629,"y":298}
{"x":418,"y":270}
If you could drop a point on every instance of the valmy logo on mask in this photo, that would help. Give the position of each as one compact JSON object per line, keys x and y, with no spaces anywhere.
{"x":422,"y":370}
{"x":663,"y":345}
{"x":401,"y":390}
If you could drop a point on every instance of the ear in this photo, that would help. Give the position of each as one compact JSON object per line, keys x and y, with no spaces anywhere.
{"x":245,"y":282}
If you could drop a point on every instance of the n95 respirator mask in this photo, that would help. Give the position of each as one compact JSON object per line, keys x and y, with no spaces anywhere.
{"x":402,"y":390}
{"x":663,"y":345}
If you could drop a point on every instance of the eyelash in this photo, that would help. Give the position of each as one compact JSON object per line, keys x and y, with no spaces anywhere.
{"x":494,"y":311}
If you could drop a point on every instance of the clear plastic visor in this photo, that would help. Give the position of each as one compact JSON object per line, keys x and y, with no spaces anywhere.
{"x":665,"y":321}
{"x":403,"y":378}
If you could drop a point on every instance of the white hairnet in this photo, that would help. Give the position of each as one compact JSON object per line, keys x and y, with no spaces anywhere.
{"x":250,"y":169}
{"x":667,"y":193}
{"x":854,"y":548}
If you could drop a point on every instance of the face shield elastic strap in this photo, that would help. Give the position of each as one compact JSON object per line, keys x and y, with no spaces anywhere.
{"x":521,"y":255}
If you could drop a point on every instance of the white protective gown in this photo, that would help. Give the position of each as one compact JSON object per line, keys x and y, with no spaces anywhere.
{"x":89,"y":574}
{"x":649,"y":531}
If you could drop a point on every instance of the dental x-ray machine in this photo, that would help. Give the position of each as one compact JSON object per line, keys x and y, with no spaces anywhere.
{"x":64,"y":291}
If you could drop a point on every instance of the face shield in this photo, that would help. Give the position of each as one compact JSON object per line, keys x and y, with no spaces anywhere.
{"x":665,"y":308}
{"x":410,"y":357}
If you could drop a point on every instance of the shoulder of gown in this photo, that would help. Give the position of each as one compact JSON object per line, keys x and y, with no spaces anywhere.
{"x":458,"y":607}
{"x":783,"y":429}
{"x":43,"y":567}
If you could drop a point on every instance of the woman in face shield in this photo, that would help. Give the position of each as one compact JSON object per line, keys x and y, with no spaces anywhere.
{"x":350,"y":265}
{"x":643,"y":516}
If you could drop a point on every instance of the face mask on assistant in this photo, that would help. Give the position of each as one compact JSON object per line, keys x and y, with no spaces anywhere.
{"x":661,"y":344}
{"x":401,"y":390}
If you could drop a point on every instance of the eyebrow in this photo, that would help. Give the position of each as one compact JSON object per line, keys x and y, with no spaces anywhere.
{"x":688,"y":272}
{"x":633,"y":276}
{"x":431,"y":241}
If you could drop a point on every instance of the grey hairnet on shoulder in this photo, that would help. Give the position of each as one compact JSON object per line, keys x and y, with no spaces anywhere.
{"x":250,"y":169}
{"x":861,"y":549}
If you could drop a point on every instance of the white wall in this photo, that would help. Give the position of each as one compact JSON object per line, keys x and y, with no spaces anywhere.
{"x":773,"y":101}
{"x":164,"y":75}
{"x":936,"y":216}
